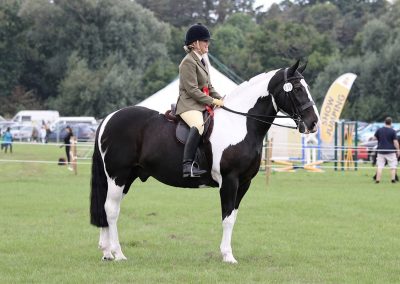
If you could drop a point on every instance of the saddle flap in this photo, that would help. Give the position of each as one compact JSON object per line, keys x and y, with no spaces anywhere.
{"x":182,"y":129}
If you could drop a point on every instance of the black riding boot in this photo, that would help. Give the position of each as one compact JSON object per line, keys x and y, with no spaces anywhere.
{"x":193,"y":140}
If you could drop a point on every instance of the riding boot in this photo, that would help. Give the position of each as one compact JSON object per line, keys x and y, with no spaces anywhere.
{"x":190,"y":169}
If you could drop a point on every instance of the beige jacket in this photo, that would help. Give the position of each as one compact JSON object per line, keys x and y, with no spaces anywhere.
{"x":193,"y":76}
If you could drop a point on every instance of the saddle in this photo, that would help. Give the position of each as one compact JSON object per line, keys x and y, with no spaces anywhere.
{"x":182,"y":129}
{"x":203,"y":154}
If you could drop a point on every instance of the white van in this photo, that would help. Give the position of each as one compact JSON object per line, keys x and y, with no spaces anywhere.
{"x":35,"y":116}
{"x":66,"y":120}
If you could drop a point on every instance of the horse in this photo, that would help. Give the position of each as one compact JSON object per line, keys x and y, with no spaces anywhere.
{"x":137,"y":142}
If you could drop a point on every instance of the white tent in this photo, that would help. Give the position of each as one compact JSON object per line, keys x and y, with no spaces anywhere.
{"x":162,"y":100}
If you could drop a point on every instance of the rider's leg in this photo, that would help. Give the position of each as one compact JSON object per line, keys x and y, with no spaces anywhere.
{"x":194,"y":119}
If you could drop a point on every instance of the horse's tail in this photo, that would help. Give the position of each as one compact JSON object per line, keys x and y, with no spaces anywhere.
{"x":98,"y":216}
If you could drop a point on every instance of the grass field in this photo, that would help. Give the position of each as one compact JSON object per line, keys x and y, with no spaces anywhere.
{"x":334,"y":227}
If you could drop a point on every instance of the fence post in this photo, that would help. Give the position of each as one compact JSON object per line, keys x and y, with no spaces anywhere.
{"x":73,"y":154}
{"x":268,"y":164}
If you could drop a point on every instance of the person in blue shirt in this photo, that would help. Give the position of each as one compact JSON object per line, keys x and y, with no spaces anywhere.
{"x":388,"y":150}
{"x":7,"y":140}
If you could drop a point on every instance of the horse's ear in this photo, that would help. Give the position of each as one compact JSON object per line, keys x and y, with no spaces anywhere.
{"x":302,"y":68}
{"x":293,"y":69}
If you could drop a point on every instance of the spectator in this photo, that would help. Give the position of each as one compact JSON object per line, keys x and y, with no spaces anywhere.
{"x":7,"y":140}
{"x":388,"y":150}
{"x":43,"y":134}
{"x":47,"y":128}
{"x":35,"y":134}
{"x":67,"y":144}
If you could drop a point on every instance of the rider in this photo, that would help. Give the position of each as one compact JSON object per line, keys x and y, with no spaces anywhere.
{"x":193,"y":77}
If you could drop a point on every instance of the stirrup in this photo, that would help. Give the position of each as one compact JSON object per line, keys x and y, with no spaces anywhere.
{"x":195,"y":166}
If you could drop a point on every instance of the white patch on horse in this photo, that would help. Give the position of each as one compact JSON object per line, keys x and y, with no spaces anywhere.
{"x":103,"y":126}
{"x":304,"y":83}
{"x":112,"y":207}
{"x":226,"y":248}
{"x":104,"y":244}
{"x":109,"y":241}
{"x":229,"y":128}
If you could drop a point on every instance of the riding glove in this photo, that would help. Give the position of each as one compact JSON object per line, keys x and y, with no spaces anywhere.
{"x":218,"y":102}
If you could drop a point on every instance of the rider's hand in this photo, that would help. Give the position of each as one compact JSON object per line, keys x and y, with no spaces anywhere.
{"x":218,"y":102}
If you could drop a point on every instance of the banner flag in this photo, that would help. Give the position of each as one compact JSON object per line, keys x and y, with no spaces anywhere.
{"x":333,"y":105}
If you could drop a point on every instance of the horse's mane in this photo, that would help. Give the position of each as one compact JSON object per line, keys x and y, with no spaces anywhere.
{"x":247,"y":93}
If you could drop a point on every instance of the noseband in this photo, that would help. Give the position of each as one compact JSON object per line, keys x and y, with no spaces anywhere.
{"x":288,"y":89}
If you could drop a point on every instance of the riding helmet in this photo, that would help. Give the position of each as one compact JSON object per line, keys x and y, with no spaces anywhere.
{"x":197,"y":32}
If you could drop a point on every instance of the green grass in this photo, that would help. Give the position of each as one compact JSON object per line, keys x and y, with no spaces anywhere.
{"x":334,"y":227}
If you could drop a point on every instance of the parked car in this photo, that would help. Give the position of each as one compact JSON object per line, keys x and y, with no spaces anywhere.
{"x":368,"y":132}
{"x":69,"y":120}
{"x":14,"y":129}
{"x":26,"y":133}
{"x":82,"y":131}
{"x":5,"y":124}
{"x":362,"y":153}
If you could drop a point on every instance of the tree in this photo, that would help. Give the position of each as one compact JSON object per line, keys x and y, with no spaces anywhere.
{"x":280,"y":43}
{"x":231,"y":45}
{"x":97,"y":40}
{"x":184,"y":13}
{"x":12,"y":46}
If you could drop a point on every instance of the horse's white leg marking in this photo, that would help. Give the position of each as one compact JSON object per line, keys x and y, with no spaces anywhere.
{"x":104,"y":244}
{"x":112,"y":207}
{"x":227,"y":226}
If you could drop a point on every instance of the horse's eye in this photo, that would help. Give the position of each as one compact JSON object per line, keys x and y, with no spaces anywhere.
{"x":297,"y":88}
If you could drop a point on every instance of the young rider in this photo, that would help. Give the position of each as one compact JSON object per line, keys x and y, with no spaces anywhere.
{"x":193,"y":77}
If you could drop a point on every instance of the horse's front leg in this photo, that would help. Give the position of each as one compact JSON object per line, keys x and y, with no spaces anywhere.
{"x":228,"y":193}
{"x":112,"y":208}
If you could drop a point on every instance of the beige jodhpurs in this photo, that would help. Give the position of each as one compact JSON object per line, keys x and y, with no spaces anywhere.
{"x":194,"y":118}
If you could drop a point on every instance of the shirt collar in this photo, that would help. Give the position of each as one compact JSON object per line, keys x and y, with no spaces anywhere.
{"x":198,"y":55}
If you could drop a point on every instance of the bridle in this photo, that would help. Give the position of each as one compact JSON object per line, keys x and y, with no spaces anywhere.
{"x":288,"y":89}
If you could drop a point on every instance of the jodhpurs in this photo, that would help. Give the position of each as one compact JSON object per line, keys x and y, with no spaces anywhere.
{"x":194,"y":118}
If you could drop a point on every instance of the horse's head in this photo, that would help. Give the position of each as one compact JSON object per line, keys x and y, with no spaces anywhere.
{"x":291,"y":95}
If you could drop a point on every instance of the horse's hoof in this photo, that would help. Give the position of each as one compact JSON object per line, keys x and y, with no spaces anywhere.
{"x":119,"y":256}
{"x":229,"y":259}
{"x":107,"y":258}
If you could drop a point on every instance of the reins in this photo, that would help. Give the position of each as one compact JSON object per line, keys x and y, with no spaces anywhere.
{"x":255,"y":117}
{"x":288,"y":89}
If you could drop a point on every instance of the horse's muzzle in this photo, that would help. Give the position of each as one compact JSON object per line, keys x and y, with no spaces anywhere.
{"x":305,"y":130}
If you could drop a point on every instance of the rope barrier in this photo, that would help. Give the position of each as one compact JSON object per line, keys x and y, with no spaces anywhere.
{"x":88,"y":146}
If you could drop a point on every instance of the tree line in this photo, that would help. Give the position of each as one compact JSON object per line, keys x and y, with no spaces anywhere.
{"x":90,"y":57}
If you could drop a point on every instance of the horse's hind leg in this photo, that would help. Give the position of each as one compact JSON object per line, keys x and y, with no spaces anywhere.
{"x":112,"y":208}
{"x":104,"y":244}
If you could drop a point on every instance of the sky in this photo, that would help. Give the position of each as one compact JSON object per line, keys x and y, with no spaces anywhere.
{"x":266,"y":3}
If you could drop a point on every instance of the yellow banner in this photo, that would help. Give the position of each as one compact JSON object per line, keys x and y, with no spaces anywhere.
{"x":333,"y":105}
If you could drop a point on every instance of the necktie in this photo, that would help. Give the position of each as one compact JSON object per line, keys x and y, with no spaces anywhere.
{"x":202,"y":61}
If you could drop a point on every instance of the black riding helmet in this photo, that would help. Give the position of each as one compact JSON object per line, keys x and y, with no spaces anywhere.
{"x":197,"y":32}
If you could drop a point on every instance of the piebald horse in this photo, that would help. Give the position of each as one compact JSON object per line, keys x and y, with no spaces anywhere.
{"x":136,"y":142}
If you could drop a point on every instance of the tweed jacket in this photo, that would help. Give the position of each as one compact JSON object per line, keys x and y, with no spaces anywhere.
{"x":193,"y":76}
